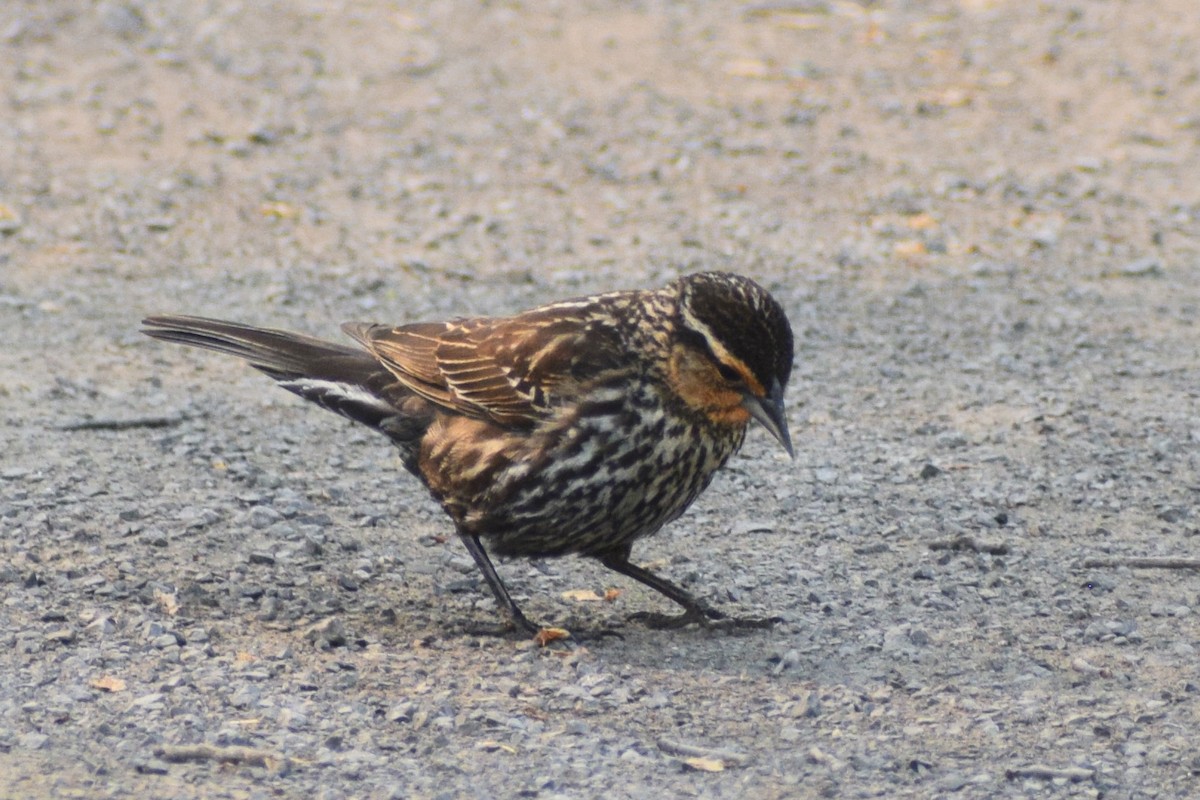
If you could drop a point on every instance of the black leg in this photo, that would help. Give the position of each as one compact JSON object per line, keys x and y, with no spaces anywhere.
{"x":618,"y":561}
{"x":695,"y":610}
{"x":507,"y":606}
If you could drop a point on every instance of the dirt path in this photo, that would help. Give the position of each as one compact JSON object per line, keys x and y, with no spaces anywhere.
{"x":984,"y":220}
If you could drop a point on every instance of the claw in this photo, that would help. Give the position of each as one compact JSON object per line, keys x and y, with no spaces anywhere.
{"x":707,"y":618}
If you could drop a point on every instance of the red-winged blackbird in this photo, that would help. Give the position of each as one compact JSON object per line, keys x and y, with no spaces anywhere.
{"x":577,"y":427}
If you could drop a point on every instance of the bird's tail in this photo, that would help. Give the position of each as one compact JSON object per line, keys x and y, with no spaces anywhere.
{"x":343,"y":379}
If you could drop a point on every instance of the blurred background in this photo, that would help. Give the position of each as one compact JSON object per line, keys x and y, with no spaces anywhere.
{"x":312,"y":150}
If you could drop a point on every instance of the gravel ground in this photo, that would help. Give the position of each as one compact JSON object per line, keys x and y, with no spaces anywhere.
{"x":982,"y":216}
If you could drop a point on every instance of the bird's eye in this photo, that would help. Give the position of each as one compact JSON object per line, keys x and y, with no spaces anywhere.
{"x":729,"y":373}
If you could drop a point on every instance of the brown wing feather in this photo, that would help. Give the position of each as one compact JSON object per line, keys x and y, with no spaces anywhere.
{"x":410,"y":353}
{"x":511,"y":370}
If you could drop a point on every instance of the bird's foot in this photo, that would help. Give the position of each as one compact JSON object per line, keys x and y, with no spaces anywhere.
{"x":523,"y":630}
{"x":704,"y":616}
{"x":698,"y":614}
{"x":515,"y":626}
{"x":500,"y":630}
{"x":742,"y":623}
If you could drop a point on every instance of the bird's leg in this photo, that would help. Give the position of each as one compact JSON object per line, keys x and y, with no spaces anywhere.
{"x":507,"y":606}
{"x":695,"y":610}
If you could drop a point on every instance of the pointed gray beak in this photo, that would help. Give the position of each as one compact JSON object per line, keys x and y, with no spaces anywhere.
{"x":769,"y":412}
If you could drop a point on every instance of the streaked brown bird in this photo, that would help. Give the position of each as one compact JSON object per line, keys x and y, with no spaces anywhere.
{"x":577,"y":427}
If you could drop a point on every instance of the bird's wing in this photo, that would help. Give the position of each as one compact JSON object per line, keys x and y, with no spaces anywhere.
{"x":511,"y":370}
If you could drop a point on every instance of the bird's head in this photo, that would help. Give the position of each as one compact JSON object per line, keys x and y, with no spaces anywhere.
{"x":733,"y":350}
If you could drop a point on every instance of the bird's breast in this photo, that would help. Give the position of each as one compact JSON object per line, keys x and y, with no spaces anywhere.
{"x":615,"y":466}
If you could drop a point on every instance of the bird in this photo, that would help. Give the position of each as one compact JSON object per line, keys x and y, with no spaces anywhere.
{"x":574,"y":428}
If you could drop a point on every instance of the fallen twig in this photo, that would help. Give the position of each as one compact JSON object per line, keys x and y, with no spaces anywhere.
{"x":1045,"y":773}
{"x":1144,"y":562}
{"x":123,"y":424}
{"x":236,"y":754}
{"x":683,"y":750}
{"x":968,"y":543}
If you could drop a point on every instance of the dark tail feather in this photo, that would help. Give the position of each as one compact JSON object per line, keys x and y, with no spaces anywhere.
{"x":343,"y":379}
{"x":280,"y":354}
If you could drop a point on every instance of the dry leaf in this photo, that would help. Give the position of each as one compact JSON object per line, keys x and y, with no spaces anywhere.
{"x":166,"y":602}
{"x":949,"y":97}
{"x":748,"y":68}
{"x":279,"y":210}
{"x":909,"y":248}
{"x":922,"y":222}
{"x":874,"y":34}
{"x":547,"y":635}
{"x":108,"y":684}
{"x":705,"y":764}
{"x":581,"y":595}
